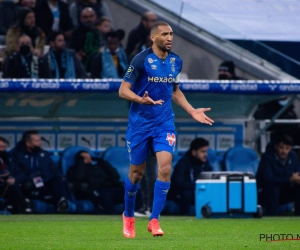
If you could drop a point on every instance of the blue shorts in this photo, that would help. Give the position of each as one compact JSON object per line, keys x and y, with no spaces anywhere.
{"x":139,"y":143}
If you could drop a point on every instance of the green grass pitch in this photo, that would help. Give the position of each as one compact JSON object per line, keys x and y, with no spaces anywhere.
{"x":105,"y":232}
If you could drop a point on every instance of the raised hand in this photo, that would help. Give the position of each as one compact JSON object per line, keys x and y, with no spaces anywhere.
{"x":199,"y":115}
{"x":146,"y":100}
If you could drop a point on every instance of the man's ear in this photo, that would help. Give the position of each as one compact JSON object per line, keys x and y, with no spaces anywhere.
{"x":152,"y":37}
{"x":193,"y":152}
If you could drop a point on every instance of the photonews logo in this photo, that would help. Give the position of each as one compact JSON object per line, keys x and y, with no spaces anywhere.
{"x":278,"y":237}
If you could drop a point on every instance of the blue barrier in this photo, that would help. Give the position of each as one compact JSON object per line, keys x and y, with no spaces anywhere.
{"x":112,"y":85}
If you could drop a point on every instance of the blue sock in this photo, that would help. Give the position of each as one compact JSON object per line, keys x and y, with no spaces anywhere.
{"x":129,"y":197}
{"x":160,"y":194}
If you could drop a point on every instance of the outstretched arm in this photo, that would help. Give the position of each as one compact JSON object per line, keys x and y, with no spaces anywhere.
{"x":198,"y":114}
{"x":125,"y":92}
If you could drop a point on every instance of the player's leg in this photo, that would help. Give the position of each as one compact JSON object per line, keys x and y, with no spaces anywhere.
{"x":161,"y":188}
{"x":162,"y":184}
{"x":137,"y":146}
{"x":131,"y":186}
{"x":164,"y":145}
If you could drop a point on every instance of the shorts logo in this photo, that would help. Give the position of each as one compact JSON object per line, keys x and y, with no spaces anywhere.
{"x":171,"y":138}
{"x":129,"y":71}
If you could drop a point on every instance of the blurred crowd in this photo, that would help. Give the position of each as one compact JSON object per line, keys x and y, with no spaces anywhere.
{"x":66,"y":39}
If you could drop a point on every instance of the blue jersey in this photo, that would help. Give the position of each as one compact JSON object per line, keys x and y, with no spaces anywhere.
{"x":148,"y":72}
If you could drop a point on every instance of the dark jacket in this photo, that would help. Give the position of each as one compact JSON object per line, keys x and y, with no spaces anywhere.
{"x":102,"y":174}
{"x":46,"y":72}
{"x":136,"y":36}
{"x":25,"y":165}
{"x":44,"y":17}
{"x":78,"y":38}
{"x":186,"y":172}
{"x":4,"y":162}
{"x":14,"y":68}
{"x":8,"y":14}
{"x":271,"y":171}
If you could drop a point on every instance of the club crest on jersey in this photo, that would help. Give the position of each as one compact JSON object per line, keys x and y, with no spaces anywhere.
{"x":150,"y":60}
{"x":172,"y":60}
{"x":171,"y":138}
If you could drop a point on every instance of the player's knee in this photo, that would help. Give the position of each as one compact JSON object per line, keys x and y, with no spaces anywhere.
{"x":164,"y":171}
{"x":136,"y":176}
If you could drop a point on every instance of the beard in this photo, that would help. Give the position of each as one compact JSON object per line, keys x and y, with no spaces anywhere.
{"x":165,"y":49}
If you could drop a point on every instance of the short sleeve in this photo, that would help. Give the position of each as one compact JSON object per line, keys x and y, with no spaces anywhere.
{"x":177,"y":79}
{"x":135,"y":68}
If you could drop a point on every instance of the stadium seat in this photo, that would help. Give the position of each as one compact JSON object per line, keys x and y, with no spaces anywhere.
{"x":55,"y":158}
{"x":67,"y":159}
{"x":241,"y":159}
{"x":213,"y":160}
{"x":118,"y":158}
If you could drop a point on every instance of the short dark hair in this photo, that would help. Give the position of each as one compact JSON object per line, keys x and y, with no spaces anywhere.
{"x":286,"y":140}
{"x":198,"y":143}
{"x":53,"y":34}
{"x":3,"y":140}
{"x":78,"y":155}
{"x":227,"y":66}
{"x":112,"y":34}
{"x":27,"y":135}
{"x":157,"y":24}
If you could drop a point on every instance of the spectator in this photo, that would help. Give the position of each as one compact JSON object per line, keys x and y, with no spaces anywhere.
{"x":28,"y":3}
{"x":139,"y":34}
{"x":23,"y":63}
{"x":103,"y":25}
{"x":227,"y":71}
{"x":53,"y":15}
{"x":186,"y":172}
{"x":100,"y":8}
{"x":60,"y":62}
{"x":8,"y":14}
{"x":140,"y":47}
{"x":25,"y":24}
{"x":36,"y":173}
{"x":11,"y":192}
{"x":277,"y":177}
{"x":85,"y":38}
{"x":111,"y":61}
{"x":96,"y":182}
